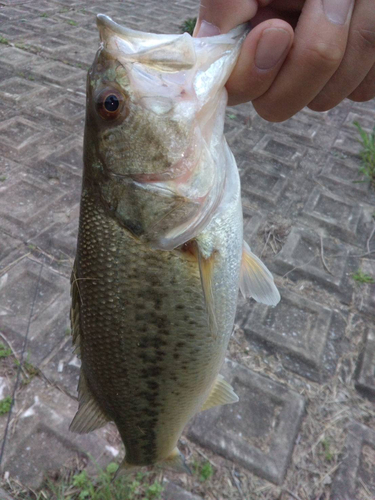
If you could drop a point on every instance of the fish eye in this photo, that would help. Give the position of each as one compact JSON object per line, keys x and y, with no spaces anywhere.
{"x":110,"y":103}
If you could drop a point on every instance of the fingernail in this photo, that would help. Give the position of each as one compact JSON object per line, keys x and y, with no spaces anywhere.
{"x":271,"y":47}
{"x":207,"y":29}
{"x":337,"y":10}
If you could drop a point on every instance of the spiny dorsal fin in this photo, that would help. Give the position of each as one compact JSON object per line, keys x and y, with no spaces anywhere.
{"x":256,"y":280}
{"x":222,"y":393}
{"x":89,"y":415}
{"x":206,"y":269}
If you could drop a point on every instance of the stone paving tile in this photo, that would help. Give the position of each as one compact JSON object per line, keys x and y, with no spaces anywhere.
{"x":174,"y":492}
{"x":300,"y":257}
{"x":306,"y":334}
{"x":41,"y":441}
{"x":27,"y":189}
{"x":50,"y":315}
{"x":7,"y":244}
{"x":366,"y":367}
{"x":343,"y":179}
{"x":62,"y":366}
{"x":366,"y":291}
{"x":355,"y":478}
{"x":341,"y":218}
{"x":259,"y":431}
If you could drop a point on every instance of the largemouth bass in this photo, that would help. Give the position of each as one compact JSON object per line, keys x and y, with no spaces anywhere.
{"x":160,"y":255}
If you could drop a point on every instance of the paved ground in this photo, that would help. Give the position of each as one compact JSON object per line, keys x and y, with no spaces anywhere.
{"x":305,"y":371}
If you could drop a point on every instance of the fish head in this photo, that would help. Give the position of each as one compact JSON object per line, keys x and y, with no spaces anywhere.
{"x":150,"y":119}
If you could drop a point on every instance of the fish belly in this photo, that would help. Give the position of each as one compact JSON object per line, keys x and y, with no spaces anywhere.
{"x":148,"y":356}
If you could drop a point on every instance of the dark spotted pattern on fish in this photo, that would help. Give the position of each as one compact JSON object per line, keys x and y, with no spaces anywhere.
{"x":137,"y":346}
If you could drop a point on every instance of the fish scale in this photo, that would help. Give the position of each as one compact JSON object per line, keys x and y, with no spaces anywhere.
{"x":160,"y":336}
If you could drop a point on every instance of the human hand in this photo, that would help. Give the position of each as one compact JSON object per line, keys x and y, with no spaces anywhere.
{"x":299,"y":53}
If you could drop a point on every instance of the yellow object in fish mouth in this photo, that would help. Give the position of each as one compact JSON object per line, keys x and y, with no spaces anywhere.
{"x":160,"y":254}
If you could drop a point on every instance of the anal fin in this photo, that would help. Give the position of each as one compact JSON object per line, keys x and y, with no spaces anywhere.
{"x":221,"y":393}
{"x":256,"y":280}
{"x":89,"y":415}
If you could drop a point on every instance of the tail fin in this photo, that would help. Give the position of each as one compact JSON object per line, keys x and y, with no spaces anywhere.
{"x":174,"y":462}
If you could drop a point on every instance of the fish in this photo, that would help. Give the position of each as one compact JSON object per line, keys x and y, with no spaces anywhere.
{"x":160,"y":252}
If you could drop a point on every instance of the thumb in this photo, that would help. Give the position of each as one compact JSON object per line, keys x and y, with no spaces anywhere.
{"x":261,"y":57}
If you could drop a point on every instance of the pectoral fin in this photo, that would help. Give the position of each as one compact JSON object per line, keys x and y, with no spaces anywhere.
{"x":256,"y":280}
{"x":206,"y":269}
{"x":89,"y":415}
{"x":222,"y":393}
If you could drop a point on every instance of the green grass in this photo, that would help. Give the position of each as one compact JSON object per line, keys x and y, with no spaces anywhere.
{"x":4,"y":351}
{"x":5,"y":405}
{"x":44,"y":14}
{"x":4,"y":41}
{"x":82,"y":487}
{"x":361,"y":277}
{"x":3,"y":178}
{"x":204,"y":470}
{"x":328,"y":454}
{"x":367,"y":168}
{"x":188,"y":25}
{"x":72,"y":23}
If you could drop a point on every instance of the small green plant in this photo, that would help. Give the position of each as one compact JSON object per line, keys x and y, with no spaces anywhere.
{"x":328,"y":455}
{"x":361,"y":277}
{"x":3,"y":178}
{"x":3,"y":40}
{"x":154,"y":491}
{"x":44,"y":14}
{"x":5,"y":405}
{"x":82,"y":487}
{"x":4,"y":351}
{"x":206,"y":471}
{"x":231,"y":116}
{"x":72,"y":23}
{"x":203,"y":470}
{"x":188,"y":25}
{"x":367,"y":168}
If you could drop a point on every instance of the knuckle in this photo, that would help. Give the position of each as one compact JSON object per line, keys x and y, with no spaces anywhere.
{"x":328,"y":54}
